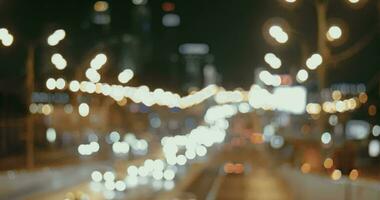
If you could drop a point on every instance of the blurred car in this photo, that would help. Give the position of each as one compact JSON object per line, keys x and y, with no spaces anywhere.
{"x":235,"y":168}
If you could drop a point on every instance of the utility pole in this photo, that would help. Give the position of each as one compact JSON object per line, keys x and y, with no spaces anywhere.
{"x":323,"y":49}
{"x":30,"y":122}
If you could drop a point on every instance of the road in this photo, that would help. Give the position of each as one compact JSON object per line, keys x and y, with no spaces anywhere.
{"x":262,"y":180}
{"x":55,"y":183}
{"x":23,"y":184}
{"x":259,"y":180}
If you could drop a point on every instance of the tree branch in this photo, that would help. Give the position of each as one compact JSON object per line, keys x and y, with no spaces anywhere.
{"x":354,"y":49}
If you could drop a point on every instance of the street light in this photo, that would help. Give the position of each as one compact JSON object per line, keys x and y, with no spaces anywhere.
{"x":59,"y":62}
{"x":356,"y":4}
{"x":314,"y":61}
{"x":275,"y":31}
{"x":50,"y":83}
{"x":326,"y":138}
{"x":302,"y":76}
{"x":83,"y":109}
{"x":278,"y":33}
{"x":269,"y":79}
{"x":354,"y":1}
{"x":290,"y":4}
{"x":74,"y":86}
{"x":5,"y":37}
{"x":272,"y":60}
{"x":101,"y":6}
{"x":60,"y":83}
{"x":56,"y":37}
{"x":125,"y":76}
{"x":51,"y":135}
{"x":98,"y":61}
{"x":139,"y":2}
{"x":92,"y":75}
{"x":337,"y":32}
{"x":334,"y":33}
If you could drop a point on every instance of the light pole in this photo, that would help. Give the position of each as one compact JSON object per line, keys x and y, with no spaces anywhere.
{"x":30,"y":86}
{"x":323,"y":49}
{"x":29,"y":140}
{"x":331,"y":34}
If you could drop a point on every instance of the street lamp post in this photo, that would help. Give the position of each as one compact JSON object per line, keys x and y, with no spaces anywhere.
{"x":30,"y":86}
{"x":323,"y":49}
{"x":29,"y":140}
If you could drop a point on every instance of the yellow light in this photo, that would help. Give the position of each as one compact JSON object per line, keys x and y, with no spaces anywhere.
{"x":39,"y":110}
{"x":56,"y":37}
{"x":329,"y":107}
{"x":7,"y":41}
{"x":90,"y":87}
{"x":223,"y":97}
{"x":160,"y":97}
{"x":372,"y":110}
{"x":272,"y":60}
{"x":314,"y":61}
{"x":290,"y":1}
{"x":83,"y":109}
{"x":92,"y":75}
{"x":354,"y":1}
{"x":60,"y":83}
{"x":50,"y":83}
{"x":47,"y":109}
{"x":334,"y":33}
{"x":328,"y":163}
{"x":352,"y":104}
{"x":3,"y":32}
{"x":302,"y":76}
{"x":101,"y":6}
{"x":336,"y":175}
{"x":277,"y":33}
{"x":55,"y":57}
{"x":336,"y":95}
{"x":5,"y":37}
{"x":98,"y":89}
{"x":354,"y":174}
{"x":74,"y":86}
{"x":51,"y":135}
{"x":306,"y":168}
{"x":313,"y":108}
{"x":60,"y":34}
{"x":82,"y":86}
{"x":340,"y":106}
{"x":139,"y":2}
{"x":363,"y":97}
{"x":33,"y":108}
{"x":98,"y":61}
{"x":270,"y":79}
{"x":59,"y":62}
{"x":125,"y":76}
{"x":122,"y":102}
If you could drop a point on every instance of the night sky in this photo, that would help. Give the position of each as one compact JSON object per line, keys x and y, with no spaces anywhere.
{"x":233,"y":29}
